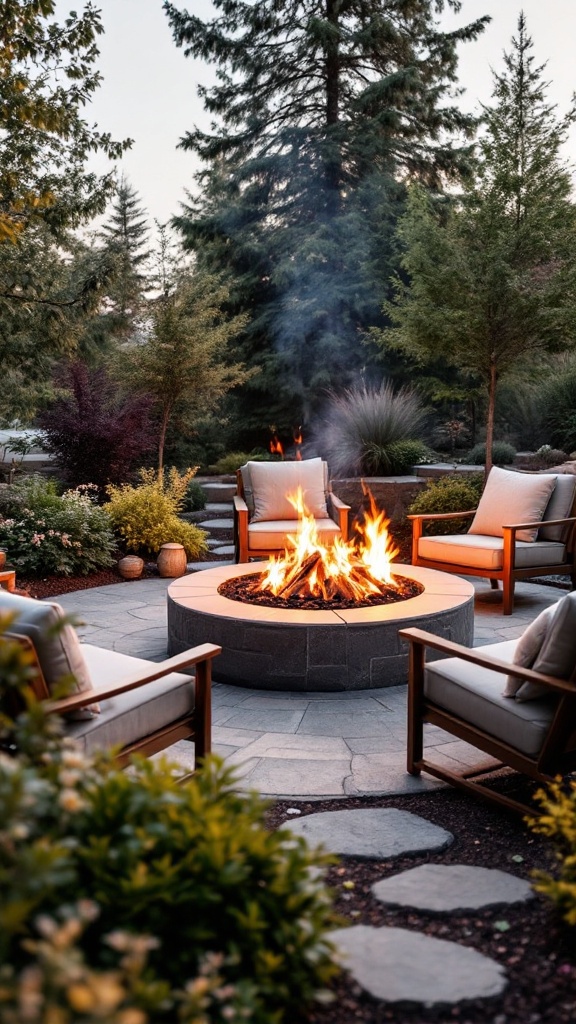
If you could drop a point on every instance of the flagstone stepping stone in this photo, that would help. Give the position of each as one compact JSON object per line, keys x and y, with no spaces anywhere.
{"x":401,"y":966}
{"x":199,"y":566}
{"x":217,"y":524}
{"x":441,"y":888}
{"x":226,"y":549}
{"x":377,"y":832}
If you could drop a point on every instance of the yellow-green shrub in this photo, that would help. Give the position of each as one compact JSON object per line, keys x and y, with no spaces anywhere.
{"x":146,"y":516}
{"x":557,"y":820}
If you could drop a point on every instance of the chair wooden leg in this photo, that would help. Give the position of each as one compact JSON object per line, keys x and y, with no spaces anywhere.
{"x":415,"y":747}
{"x":508,"y":596}
{"x":203,"y":711}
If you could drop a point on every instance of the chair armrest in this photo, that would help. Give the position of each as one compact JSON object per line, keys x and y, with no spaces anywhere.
{"x":194,"y":656}
{"x":340,"y":513}
{"x":240,"y":505}
{"x":543,"y":522}
{"x":442,"y":515}
{"x":421,"y":638}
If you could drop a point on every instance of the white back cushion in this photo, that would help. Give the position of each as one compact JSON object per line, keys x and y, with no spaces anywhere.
{"x":559,"y":507}
{"x":56,"y":644}
{"x":272,"y":482}
{"x":510,"y":498}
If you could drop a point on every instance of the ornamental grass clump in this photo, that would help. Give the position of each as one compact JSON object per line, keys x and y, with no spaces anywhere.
{"x":373,"y":431}
{"x":557,"y":821}
{"x":145,"y":516}
{"x":131,"y":898}
{"x":46,"y":532}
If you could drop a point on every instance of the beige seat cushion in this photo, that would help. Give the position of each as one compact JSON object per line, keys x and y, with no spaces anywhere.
{"x":131,"y":716}
{"x":481,"y":552}
{"x":275,"y":534}
{"x":272,"y":482}
{"x":474,"y":694}
{"x":510,"y":498}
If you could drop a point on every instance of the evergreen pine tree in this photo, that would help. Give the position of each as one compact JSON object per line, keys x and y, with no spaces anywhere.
{"x":125,"y":234}
{"x":492,"y":284}
{"x":317,"y":113}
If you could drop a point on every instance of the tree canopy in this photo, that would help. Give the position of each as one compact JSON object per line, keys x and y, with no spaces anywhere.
{"x":47,"y":76}
{"x":491,"y":277}
{"x":317,"y":116}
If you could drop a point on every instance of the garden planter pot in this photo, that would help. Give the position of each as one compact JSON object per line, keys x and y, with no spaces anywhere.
{"x":172,"y":561}
{"x":130,"y":567}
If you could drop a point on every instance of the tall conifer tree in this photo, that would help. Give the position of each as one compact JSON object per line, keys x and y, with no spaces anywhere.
{"x":125,"y":234}
{"x":492,"y":283}
{"x":318,"y":112}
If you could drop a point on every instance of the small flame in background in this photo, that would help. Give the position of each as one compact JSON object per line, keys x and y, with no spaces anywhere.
{"x":297,"y":437}
{"x":275,"y":444}
{"x":358,"y":568}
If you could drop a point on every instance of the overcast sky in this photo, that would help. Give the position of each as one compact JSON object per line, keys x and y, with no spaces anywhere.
{"x":149,"y":88}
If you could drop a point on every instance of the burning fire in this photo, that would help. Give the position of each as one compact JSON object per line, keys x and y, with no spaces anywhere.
{"x":351,"y":569}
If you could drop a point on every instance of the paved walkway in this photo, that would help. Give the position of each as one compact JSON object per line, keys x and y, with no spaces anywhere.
{"x":296,"y":745}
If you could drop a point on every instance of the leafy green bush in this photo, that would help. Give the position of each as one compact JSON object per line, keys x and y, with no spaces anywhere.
{"x":557,"y":398}
{"x":233,"y":460}
{"x":545,"y":457}
{"x":146,"y":516}
{"x":128,"y":897}
{"x":362,"y":427}
{"x":557,"y":821}
{"x":394,"y":459}
{"x":448,"y":494}
{"x":502,"y":454}
{"x":194,"y":498}
{"x":51,"y":533}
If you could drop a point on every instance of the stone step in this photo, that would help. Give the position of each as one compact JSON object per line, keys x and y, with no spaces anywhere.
{"x":401,"y":966}
{"x":445,"y":888}
{"x":218,"y":491}
{"x":376,"y":832}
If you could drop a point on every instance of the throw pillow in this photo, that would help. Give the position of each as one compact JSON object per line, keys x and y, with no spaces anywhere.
{"x":272,"y":482}
{"x":528,"y":649}
{"x":510,"y":498}
{"x":557,"y":656}
{"x":56,"y":644}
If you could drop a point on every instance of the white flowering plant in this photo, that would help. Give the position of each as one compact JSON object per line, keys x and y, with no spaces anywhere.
{"x":133,"y":898}
{"x":45,"y":532}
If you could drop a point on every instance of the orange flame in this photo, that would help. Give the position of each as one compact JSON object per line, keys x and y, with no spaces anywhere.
{"x":359,"y":568}
{"x":275,"y":446}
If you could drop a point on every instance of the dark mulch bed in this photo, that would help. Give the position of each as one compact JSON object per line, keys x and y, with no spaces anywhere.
{"x":535,"y":948}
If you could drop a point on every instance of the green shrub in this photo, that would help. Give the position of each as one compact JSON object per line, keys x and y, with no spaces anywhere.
{"x":502,"y":454}
{"x":229,"y":463}
{"x":448,"y":494}
{"x":557,"y":398}
{"x":46,"y":532}
{"x":545,"y":457}
{"x":146,"y":516}
{"x":394,"y":459}
{"x":557,"y":821}
{"x":129,"y":891}
{"x":362,"y":427}
{"x":194,"y":498}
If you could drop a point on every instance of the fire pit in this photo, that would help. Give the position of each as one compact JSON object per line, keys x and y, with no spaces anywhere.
{"x":319,"y":616}
{"x":351,"y":649}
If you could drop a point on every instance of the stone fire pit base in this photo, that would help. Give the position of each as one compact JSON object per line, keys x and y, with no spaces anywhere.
{"x":273,"y":649}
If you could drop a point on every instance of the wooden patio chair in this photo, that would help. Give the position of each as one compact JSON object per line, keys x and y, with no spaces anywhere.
{"x":531,"y":730}
{"x":523,"y":527}
{"x":114,"y":700}
{"x":263,"y":516}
